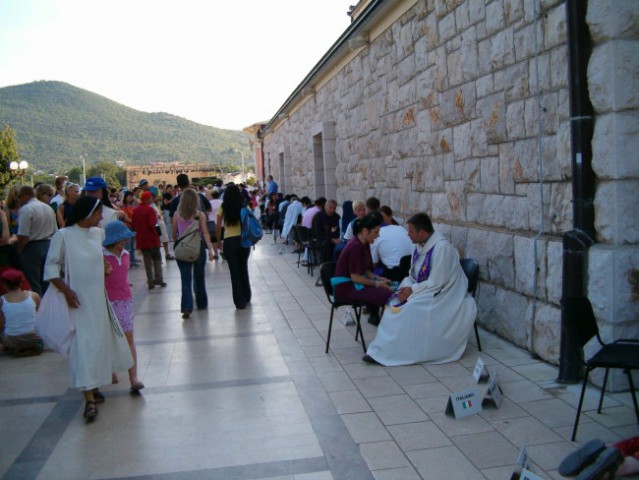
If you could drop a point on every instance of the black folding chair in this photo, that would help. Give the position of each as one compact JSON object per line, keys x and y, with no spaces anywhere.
{"x":327,"y":271}
{"x":470,"y":266}
{"x":303,"y":235}
{"x":623,"y":353}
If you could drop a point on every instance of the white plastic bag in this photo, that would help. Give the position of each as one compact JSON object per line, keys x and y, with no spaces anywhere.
{"x":53,"y":321}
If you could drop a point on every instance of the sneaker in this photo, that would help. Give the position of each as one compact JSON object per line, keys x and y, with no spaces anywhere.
{"x":169,"y":257}
{"x":160,"y":283}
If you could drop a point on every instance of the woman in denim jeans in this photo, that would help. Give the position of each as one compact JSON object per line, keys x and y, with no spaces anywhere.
{"x":192,"y":274}
{"x":236,"y":255}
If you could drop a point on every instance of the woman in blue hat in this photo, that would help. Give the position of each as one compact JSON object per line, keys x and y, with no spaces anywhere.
{"x":116,"y":283}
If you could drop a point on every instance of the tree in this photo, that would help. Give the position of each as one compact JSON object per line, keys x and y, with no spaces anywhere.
{"x":8,"y":153}
{"x":74,"y":174}
{"x":109,"y":171}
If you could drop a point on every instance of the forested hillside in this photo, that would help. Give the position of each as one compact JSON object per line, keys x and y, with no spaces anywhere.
{"x":56,"y":124}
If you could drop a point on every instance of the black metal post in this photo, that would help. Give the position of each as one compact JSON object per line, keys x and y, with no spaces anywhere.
{"x":577,"y":242}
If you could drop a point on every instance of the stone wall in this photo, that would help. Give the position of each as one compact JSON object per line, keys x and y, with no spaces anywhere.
{"x":460,"y":109}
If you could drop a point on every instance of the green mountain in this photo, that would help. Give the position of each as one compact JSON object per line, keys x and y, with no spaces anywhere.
{"x":56,"y":124}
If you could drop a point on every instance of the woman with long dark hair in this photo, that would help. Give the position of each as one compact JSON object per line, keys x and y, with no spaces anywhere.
{"x":236,"y":255}
{"x":96,"y":350}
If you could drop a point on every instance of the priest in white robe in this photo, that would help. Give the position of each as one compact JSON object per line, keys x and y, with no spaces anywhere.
{"x":430,"y":316}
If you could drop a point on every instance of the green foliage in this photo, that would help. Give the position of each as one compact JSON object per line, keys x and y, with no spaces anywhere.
{"x":8,"y":153}
{"x":74,"y":174}
{"x":113,"y":175}
{"x":56,"y":124}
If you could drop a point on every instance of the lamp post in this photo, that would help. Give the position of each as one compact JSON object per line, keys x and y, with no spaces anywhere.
{"x":19,"y":169}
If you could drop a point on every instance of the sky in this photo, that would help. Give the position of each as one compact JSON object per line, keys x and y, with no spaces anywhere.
{"x":223,"y":63}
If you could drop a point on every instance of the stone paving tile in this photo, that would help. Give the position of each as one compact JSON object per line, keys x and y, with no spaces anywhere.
{"x":552,"y":412}
{"x":524,"y":391}
{"x":614,"y":416}
{"x":365,"y":427}
{"x":432,"y":404}
{"x":508,"y":409}
{"x":486,"y":450}
{"x":525,"y":431}
{"x":364,"y":370}
{"x":447,"y":370}
{"x":418,"y":436}
{"x":410,"y":375}
{"x":405,"y":473}
{"x":334,"y":381}
{"x":383,"y":455}
{"x":443,"y":463}
{"x":537,"y":372}
{"x":377,"y":386}
{"x":463,"y":426}
{"x":349,"y":401}
{"x":434,"y":389}
{"x":548,"y":456}
{"x":588,"y":430}
{"x":396,"y":409}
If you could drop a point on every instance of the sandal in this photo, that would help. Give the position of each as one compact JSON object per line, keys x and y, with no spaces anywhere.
{"x":98,"y":396}
{"x":136,"y":386}
{"x":90,"y":411}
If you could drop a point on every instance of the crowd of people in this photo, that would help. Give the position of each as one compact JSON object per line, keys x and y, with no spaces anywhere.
{"x":84,"y":239}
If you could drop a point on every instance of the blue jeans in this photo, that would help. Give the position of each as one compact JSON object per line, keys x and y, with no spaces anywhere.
{"x":237,"y":258}
{"x":130,"y":246}
{"x":192,"y":275}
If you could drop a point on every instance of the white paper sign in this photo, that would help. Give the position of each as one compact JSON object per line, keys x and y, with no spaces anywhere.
{"x":494,"y":395}
{"x":528,"y":475}
{"x":480,"y":373}
{"x":464,"y":403}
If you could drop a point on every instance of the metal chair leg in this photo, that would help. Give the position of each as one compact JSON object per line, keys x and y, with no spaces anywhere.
{"x":581,"y":402}
{"x":358,"y":317}
{"x":603,"y":390}
{"x":477,"y":336}
{"x":330,"y":327}
{"x":634,"y":395}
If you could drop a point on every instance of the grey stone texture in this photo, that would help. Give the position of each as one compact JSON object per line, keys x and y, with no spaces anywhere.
{"x":460,"y":108}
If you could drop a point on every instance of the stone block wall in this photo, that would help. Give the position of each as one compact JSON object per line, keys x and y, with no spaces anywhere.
{"x":461,"y":109}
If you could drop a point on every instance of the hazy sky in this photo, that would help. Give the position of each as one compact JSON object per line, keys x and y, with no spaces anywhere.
{"x":224,"y":63}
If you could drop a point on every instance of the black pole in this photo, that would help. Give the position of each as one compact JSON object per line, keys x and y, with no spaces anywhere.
{"x":577,"y":241}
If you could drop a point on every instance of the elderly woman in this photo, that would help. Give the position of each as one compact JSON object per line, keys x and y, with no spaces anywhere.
{"x":97,"y":350}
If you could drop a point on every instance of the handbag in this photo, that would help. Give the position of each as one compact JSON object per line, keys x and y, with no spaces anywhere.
{"x":188,"y":244}
{"x":53,"y":321}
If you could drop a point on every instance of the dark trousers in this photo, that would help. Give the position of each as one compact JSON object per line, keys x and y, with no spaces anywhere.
{"x":32,"y":259}
{"x":152,"y":264}
{"x":237,"y":258}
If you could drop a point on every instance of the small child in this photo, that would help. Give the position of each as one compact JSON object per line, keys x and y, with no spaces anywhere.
{"x":17,"y":316}
{"x":117,"y":263}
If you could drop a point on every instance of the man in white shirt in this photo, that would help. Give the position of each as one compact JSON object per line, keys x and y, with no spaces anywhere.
{"x":36,"y":226}
{"x":388,"y":249}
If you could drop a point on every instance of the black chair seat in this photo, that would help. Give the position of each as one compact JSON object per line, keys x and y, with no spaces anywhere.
{"x":614,"y":354}
{"x":623,"y":353}
{"x":327,"y":271}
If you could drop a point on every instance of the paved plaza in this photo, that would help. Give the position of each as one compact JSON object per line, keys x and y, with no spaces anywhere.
{"x":251,"y":395}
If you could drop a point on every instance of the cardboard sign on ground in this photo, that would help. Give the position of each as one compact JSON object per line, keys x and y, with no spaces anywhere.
{"x":494,"y":394}
{"x":480,"y":373}
{"x":464,"y":403}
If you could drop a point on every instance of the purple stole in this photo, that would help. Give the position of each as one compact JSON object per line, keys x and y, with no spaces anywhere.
{"x":422,"y":275}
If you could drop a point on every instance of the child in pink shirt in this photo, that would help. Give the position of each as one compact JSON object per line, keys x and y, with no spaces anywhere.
{"x":117,"y":263}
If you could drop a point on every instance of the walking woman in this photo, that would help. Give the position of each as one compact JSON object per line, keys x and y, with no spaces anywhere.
{"x":236,"y":255}
{"x":192,"y":274}
{"x":97,"y":350}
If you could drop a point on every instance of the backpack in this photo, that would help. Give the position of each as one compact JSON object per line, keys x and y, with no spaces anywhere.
{"x":251,"y":229}
{"x":187,"y":246}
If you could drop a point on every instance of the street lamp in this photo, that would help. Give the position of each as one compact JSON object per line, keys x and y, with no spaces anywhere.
{"x":19,"y":169}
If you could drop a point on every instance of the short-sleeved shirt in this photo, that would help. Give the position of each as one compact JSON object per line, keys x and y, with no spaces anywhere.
{"x":355,"y":258}
{"x":37,"y":221}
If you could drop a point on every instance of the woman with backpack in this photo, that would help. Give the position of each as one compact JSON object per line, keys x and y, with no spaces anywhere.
{"x":236,"y":255}
{"x":192,"y":273}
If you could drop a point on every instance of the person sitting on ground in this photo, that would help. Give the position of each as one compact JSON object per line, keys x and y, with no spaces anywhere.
{"x":325,"y":230}
{"x":390,"y":247}
{"x":429,"y":317}
{"x":17,"y":316}
{"x":354,"y":278}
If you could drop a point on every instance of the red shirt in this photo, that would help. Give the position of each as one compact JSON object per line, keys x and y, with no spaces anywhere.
{"x":145,"y":218}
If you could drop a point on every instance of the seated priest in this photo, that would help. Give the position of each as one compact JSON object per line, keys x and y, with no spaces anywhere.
{"x":429,"y":317}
